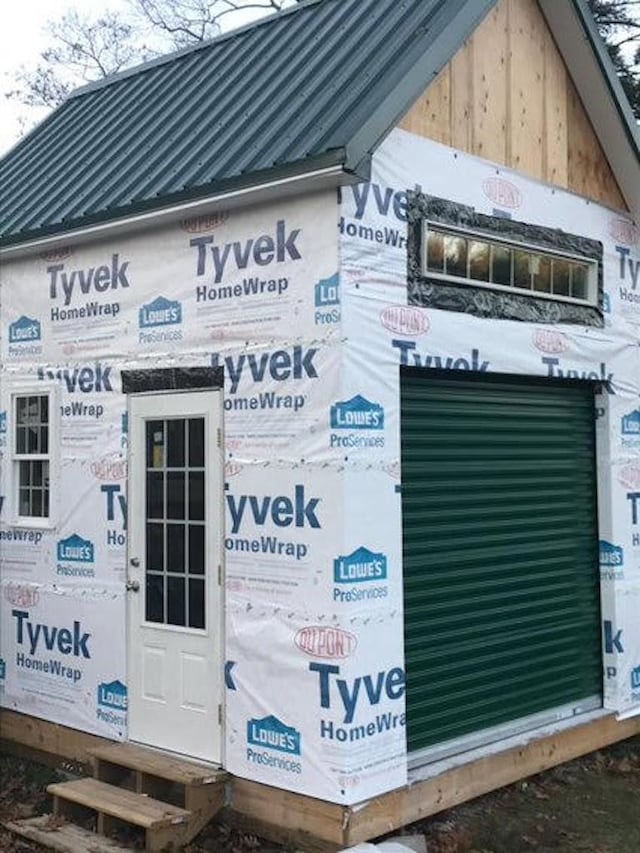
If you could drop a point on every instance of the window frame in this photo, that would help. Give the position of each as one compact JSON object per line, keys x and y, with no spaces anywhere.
{"x":48,"y":522}
{"x":473,"y":234}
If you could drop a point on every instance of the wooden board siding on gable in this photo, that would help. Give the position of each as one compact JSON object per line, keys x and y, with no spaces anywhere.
{"x":508,"y":97}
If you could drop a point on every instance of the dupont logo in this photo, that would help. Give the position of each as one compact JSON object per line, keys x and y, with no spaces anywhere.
{"x":502,"y":192}
{"x":405,"y":320}
{"x":360,"y":566}
{"x":112,"y":695}
{"x":24,"y":331}
{"x":357,"y":413}
{"x":197,"y":224}
{"x":271,"y":733}
{"x":629,"y":476}
{"x":21,"y":595}
{"x":549,"y":340}
{"x":624,"y":231}
{"x":323,"y":641}
{"x":610,"y":555}
{"x":59,"y":254}
{"x":110,"y":467}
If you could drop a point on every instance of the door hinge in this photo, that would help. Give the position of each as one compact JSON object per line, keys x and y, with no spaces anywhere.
{"x":219,"y":437}
{"x":219,"y":574}
{"x":219,"y":715}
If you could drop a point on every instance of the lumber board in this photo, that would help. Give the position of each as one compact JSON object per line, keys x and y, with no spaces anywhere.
{"x":154,"y":763}
{"x":67,"y":838}
{"x":489,"y":82}
{"x":430,"y":116}
{"x":425,"y":798}
{"x":118,"y":802}
{"x":555,"y":148}
{"x":295,"y":812}
{"x":47,"y":737}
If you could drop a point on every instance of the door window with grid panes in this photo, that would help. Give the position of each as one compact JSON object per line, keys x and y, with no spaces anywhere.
{"x":32,"y":451}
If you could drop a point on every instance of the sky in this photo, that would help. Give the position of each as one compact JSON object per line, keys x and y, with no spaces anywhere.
{"x":22,"y":37}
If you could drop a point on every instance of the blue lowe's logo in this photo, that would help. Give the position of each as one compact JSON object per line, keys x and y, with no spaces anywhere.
{"x":357,"y":413}
{"x":635,"y":678}
{"x":270,"y":733}
{"x":112,"y":695}
{"x":631,"y":423}
{"x":360,"y":566}
{"x":160,"y":312}
{"x":3,"y":421}
{"x":24,"y":331}
{"x":75,"y":549}
{"x":327,"y":291}
{"x":3,"y":669}
{"x":611,"y":556}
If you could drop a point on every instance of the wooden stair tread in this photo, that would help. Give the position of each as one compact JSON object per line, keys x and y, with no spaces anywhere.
{"x":120,"y":803}
{"x":67,"y":838}
{"x":160,"y":764}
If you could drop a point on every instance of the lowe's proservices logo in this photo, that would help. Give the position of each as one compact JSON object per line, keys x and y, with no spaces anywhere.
{"x":270,"y":735}
{"x":611,"y":561}
{"x":352,"y":418}
{"x":154,"y":317}
{"x":362,"y":566}
{"x":112,"y":702}
{"x":327,"y":301}
{"x":75,"y":557}
{"x":630,"y":429}
{"x":25,"y":336}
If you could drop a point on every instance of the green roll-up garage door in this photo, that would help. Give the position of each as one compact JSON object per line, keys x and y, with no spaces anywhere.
{"x":502,"y":615}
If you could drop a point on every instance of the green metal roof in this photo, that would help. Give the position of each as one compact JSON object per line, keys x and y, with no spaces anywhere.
{"x":318,"y":85}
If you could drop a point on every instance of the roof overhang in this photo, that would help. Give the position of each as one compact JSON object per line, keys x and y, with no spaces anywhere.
{"x":600,"y":90}
{"x":328,"y":177}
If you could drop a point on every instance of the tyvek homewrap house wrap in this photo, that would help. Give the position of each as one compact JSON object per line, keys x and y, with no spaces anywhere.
{"x":317,"y":484}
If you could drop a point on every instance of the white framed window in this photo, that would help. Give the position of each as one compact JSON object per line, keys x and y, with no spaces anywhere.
{"x":34,"y":455}
{"x":482,"y":260}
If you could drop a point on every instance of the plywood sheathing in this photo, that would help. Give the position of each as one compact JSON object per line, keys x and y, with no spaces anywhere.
{"x":508,"y":97}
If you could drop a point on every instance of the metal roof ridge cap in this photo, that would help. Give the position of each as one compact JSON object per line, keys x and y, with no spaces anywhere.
{"x":605,"y":63}
{"x":148,"y":218}
{"x":165,"y":58}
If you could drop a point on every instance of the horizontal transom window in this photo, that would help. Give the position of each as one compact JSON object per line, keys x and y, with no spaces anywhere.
{"x":479,"y":260}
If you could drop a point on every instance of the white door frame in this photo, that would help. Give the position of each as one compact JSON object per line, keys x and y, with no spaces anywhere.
{"x":161,"y":716}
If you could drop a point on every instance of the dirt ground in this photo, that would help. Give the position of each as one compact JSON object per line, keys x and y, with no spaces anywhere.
{"x":591,"y":805}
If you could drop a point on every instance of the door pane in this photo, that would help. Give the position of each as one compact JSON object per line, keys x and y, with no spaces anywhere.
{"x":175,"y":444}
{"x":175,"y":494}
{"x":155,"y":444}
{"x":175,"y":547}
{"x":155,"y":598}
{"x":196,"y":549}
{"x":176,"y":601}
{"x":196,"y":495}
{"x":196,"y":442}
{"x":196,"y":602}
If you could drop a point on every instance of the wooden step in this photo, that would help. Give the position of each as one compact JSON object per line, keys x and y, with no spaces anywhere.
{"x":124,"y":805}
{"x":160,"y":764}
{"x":65,"y":838}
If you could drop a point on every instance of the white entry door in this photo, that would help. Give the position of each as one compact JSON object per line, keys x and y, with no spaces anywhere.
{"x":174,"y":595}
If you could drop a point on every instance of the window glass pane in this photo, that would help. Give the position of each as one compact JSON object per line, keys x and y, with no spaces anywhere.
{"x":155,"y":598}
{"x":579,"y":277}
{"x":155,"y":444}
{"x":24,"y":474}
{"x":541,"y":269}
{"x":176,"y":603}
{"x":478,"y":260}
{"x":155,"y":547}
{"x":196,"y":603}
{"x":44,"y":410}
{"x":455,"y":249}
{"x":175,"y":444}
{"x":196,"y":549}
{"x":21,"y":410}
{"x":521,"y":270}
{"x":435,"y":252}
{"x":21,"y":439}
{"x":33,"y":443}
{"x":196,"y":442}
{"x":36,"y":503}
{"x":561,"y":277}
{"x":36,"y":473}
{"x":501,"y":265}
{"x":45,"y":503}
{"x":175,"y":547}
{"x":44,"y":439}
{"x":155,"y":494}
{"x":175,"y":494}
{"x":196,"y":495}
{"x":24,"y":501}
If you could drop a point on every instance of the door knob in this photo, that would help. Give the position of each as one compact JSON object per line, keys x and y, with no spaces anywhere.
{"x":135,"y":561}
{"x":132,"y":586}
